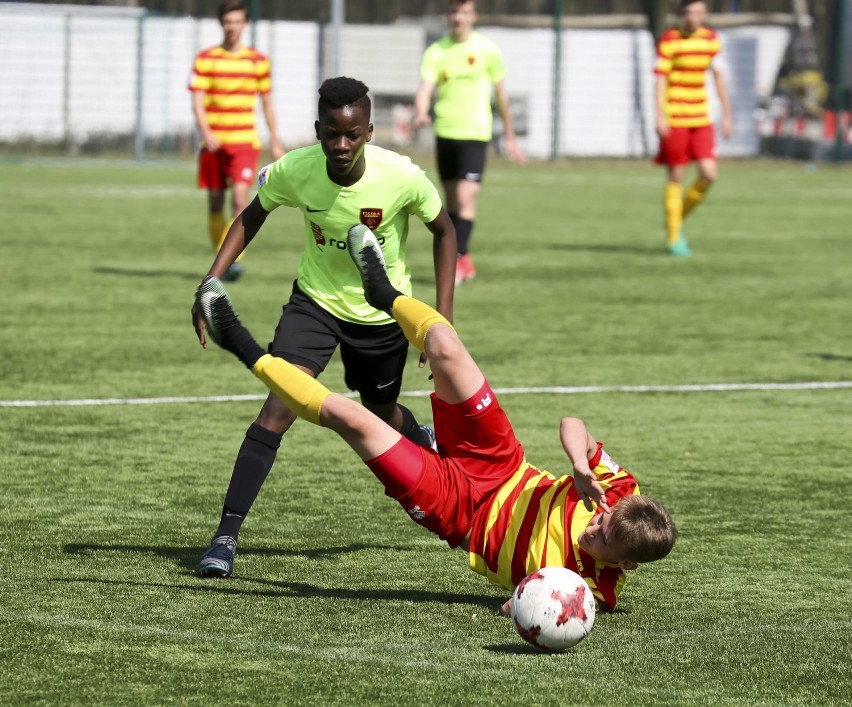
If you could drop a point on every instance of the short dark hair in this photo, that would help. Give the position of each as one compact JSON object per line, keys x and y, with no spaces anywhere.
{"x":644,"y":527}
{"x":232,"y":6}
{"x":343,"y":91}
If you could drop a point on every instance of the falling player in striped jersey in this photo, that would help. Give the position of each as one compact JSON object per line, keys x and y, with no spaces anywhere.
{"x":477,"y":491}
{"x":684,"y":125}
{"x":225,"y":82}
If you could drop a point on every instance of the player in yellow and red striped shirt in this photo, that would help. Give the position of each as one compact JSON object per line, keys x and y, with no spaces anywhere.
{"x":684,"y":125}
{"x":477,"y":491}
{"x":225,"y":83}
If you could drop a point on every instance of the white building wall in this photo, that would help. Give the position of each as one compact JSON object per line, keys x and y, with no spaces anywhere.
{"x":90,"y":56}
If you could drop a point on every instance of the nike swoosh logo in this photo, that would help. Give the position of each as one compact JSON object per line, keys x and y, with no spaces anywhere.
{"x":380,"y":386}
{"x":314,"y":211}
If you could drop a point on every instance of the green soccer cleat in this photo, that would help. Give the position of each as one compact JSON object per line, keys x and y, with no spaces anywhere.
{"x":234,"y":272}
{"x":679,"y":248}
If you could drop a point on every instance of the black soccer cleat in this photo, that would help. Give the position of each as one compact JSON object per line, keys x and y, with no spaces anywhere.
{"x":218,"y":561}
{"x":366,"y":253}
{"x":213,"y":303}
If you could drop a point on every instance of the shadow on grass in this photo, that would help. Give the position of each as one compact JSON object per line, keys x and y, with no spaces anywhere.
{"x":302,"y":590}
{"x":604,"y":248}
{"x":134,"y":272}
{"x":830,"y":357}
{"x":522,"y":649}
{"x":188,"y":557}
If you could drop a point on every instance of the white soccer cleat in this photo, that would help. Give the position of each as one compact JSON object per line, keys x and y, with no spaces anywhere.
{"x":208,"y":293}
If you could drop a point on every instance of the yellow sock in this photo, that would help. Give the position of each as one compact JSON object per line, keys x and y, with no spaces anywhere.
{"x":225,"y":233}
{"x":673,"y":207}
{"x":298,"y":391}
{"x":695,"y":195}
{"x":415,"y":318}
{"x":216,"y":227}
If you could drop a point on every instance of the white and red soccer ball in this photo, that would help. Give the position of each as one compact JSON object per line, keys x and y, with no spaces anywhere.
{"x":553,"y":608}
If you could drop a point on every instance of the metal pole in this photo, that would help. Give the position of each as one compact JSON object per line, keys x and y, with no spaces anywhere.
{"x":557,"y":79}
{"x":254,"y":16}
{"x":338,"y":17}
{"x":840,"y":21}
{"x":66,"y":86}
{"x":140,"y":75}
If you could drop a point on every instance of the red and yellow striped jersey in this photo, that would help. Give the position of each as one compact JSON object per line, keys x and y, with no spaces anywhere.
{"x":230,"y":82}
{"x":684,"y":60}
{"x":535,"y":520}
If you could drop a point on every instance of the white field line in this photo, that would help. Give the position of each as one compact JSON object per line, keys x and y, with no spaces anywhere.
{"x":550,"y":390}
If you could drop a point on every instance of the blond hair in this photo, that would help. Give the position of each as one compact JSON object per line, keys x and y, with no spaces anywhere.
{"x":644,"y":527}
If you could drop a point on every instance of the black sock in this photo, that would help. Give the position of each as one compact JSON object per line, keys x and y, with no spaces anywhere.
{"x":411,"y":428}
{"x":234,"y":336}
{"x":464,"y":227}
{"x":254,"y":460}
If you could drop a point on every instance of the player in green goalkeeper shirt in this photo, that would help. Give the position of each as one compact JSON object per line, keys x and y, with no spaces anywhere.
{"x":340,"y":181}
{"x":463,"y":67}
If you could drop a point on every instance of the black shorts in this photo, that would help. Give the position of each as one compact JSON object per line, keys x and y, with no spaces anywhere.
{"x":460,"y":159}
{"x":373,"y":355}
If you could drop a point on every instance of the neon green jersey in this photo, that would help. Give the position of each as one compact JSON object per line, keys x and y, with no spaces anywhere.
{"x":464,"y":73}
{"x":391,"y":189}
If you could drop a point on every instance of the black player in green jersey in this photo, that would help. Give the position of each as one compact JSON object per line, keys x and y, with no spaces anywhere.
{"x":338,"y":182}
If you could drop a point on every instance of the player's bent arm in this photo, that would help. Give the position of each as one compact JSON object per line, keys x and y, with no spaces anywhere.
{"x":211,"y":142}
{"x":240,"y":234}
{"x":662,"y":124}
{"x":579,"y":445}
{"x":444,"y":251}
{"x":724,"y":100}
{"x":271,"y":123}
{"x":422,"y":101}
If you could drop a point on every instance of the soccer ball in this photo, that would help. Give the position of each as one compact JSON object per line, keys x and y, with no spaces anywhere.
{"x":553,"y":608}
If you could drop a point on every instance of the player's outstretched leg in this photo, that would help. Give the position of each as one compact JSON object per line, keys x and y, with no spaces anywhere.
{"x":213,"y":303}
{"x":365,"y":251}
{"x":300,"y":392}
{"x":456,"y":375}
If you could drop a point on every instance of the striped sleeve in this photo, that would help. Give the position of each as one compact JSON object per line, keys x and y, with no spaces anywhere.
{"x":199,"y":79}
{"x":264,"y":77}
{"x":665,"y":50}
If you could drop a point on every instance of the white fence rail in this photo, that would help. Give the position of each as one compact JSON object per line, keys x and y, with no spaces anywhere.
{"x":81,"y":76}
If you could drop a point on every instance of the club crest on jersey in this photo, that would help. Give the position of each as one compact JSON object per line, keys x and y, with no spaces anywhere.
{"x":471,"y":60}
{"x":318,"y":234}
{"x":371,"y":218}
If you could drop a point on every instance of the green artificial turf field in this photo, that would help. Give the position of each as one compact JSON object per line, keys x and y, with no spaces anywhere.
{"x":337,"y":597}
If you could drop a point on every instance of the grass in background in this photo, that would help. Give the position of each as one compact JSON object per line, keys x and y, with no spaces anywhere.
{"x":338,"y":598}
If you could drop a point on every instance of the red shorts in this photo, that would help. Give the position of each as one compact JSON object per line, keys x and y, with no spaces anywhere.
{"x":230,"y":164}
{"x":477,"y":453}
{"x":685,"y":145}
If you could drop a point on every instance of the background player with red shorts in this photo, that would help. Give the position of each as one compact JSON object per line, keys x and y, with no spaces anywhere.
{"x":225,"y":82}
{"x":683,"y":120}
{"x":477,"y":491}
